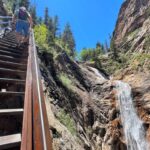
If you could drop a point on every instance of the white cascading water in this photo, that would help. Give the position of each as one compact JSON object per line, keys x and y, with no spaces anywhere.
{"x":133,"y":126}
{"x":97,"y":73}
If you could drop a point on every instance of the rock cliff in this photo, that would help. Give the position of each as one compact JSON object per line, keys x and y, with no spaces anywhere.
{"x":132,"y":30}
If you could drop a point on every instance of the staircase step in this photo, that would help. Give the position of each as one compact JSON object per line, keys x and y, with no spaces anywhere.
{"x":12,"y":59}
{"x":10,"y":124}
{"x":12,"y":93}
{"x":9,"y":39}
{"x":7,"y":73}
{"x":13,"y":38}
{"x":7,"y":84}
{"x":10,"y":141}
{"x":14,"y":50}
{"x":14,"y":81}
{"x":11,"y":112}
{"x":9,"y":43}
{"x":6,"y":45}
{"x":8,"y":53}
{"x":13,"y":47}
{"x":11,"y":65}
{"x":11,"y":101}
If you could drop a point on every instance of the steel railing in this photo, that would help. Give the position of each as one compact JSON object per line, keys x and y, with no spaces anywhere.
{"x":35,"y":133}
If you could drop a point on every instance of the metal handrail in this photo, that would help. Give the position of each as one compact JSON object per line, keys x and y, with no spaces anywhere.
{"x":34,"y":97}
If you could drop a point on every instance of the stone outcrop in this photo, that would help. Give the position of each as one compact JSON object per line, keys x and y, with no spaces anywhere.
{"x":132,"y":30}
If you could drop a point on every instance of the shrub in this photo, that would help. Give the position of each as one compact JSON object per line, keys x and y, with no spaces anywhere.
{"x":138,"y":60}
{"x":40,"y":32}
{"x":65,"y":81}
{"x":66,"y":120}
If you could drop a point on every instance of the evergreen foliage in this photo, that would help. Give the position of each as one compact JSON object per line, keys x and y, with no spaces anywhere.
{"x":55,"y":26}
{"x":92,"y":54}
{"x":113,"y":49}
{"x":46,"y":17}
{"x":68,"y":40}
{"x":33,"y":14}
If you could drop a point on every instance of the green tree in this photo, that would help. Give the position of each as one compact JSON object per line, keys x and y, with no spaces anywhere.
{"x":68,"y":40}
{"x":50,"y":36}
{"x":33,"y":14}
{"x":46,"y":17}
{"x":106,"y":48}
{"x":86,"y":54}
{"x":55,"y":25}
{"x":113,"y":49}
{"x":41,"y":32}
{"x":39,"y":20}
{"x":99,"y":49}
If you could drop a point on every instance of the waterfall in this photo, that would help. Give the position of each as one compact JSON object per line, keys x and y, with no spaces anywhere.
{"x":133,"y":126}
{"x":97,"y":73}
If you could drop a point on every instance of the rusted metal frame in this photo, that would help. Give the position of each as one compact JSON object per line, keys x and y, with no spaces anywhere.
{"x":26,"y":143}
{"x":42,"y":139}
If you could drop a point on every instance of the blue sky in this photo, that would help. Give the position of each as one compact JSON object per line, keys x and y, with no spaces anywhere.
{"x":91,"y":20}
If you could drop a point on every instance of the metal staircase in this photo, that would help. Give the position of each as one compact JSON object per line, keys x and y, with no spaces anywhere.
{"x":23,"y":118}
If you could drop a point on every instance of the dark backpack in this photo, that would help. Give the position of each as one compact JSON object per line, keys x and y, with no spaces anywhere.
{"x":22,"y":15}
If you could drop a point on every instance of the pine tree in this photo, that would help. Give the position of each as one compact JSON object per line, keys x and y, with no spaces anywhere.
{"x":55,"y":26}
{"x":33,"y":14}
{"x":106,"y":48}
{"x":39,"y":20}
{"x":113,"y":49}
{"x":50,"y":37}
{"x":46,"y":17}
{"x":68,"y":40}
{"x":98,"y":48}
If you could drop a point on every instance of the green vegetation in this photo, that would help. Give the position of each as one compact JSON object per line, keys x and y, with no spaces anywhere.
{"x":91,"y":54}
{"x":138,"y":60}
{"x":41,"y":32}
{"x":133,"y":34}
{"x":65,"y":81}
{"x":110,"y":65}
{"x":113,"y":49}
{"x":48,"y":37}
{"x":148,"y":12}
{"x":147,"y":43}
{"x":11,"y":4}
{"x":68,"y":40}
{"x":67,"y":121}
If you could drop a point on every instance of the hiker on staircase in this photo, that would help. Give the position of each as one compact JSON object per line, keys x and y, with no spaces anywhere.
{"x":23,"y":21}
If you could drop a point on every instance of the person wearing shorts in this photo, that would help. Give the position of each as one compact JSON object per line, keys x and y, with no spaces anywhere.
{"x":23,"y":21}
